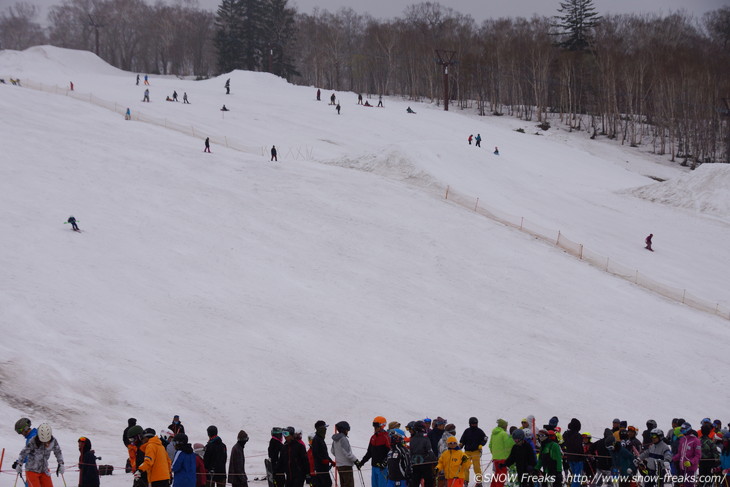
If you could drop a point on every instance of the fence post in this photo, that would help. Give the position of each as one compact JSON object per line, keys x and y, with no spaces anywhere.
{"x":225,"y":137}
{"x":580,"y":253}
{"x":522,"y":221}
{"x":557,"y":242}
{"x":447,"y":193}
{"x":193,"y":130}
{"x":476,"y":204}
{"x":607,"y":264}
{"x":636,"y":277}
{"x":684,"y":292}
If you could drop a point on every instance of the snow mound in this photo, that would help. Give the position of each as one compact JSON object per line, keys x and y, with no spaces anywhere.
{"x":707,"y":190}
{"x":54,"y":61}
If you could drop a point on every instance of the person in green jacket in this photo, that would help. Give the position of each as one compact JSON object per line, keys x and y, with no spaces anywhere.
{"x":550,"y":459}
{"x":500,"y":444}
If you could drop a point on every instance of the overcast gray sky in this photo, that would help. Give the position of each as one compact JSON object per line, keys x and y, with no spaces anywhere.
{"x":479,"y":9}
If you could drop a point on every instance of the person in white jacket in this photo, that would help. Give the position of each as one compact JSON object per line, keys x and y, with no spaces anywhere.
{"x":344,"y":458}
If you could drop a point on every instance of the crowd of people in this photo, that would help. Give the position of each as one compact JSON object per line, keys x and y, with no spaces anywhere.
{"x":424,"y":453}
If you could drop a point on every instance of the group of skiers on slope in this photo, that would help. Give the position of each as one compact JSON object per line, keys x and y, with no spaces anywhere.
{"x":422,"y":453}
{"x":519,"y":456}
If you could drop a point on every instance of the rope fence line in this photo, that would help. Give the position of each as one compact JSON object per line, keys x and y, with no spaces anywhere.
{"x":293,"y":152}
{"x":578,"y":250}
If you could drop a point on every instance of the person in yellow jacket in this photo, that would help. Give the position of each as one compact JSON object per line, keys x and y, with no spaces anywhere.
{"x":156,"y":462}
{"x":453,"y":463}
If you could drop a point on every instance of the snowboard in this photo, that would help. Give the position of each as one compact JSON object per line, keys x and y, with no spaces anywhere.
{"x":269,"y":472}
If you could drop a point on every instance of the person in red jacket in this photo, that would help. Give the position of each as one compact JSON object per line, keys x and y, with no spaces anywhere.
{"x":378,"y":449}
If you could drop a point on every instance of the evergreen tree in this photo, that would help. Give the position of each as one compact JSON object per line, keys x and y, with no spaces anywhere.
{"x":281,"y":36}
{"x":575,"y":24}
{"x":229,"y":36}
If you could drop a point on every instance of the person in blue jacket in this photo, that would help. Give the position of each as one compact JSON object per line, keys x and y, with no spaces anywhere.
{"x":183,"y":465}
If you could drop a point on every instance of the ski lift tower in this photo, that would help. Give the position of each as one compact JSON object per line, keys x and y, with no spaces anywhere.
{"x":445,"y":59}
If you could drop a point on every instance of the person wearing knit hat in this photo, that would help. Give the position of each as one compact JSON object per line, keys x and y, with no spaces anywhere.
{"x":322,"y":461}
{"x":237,"y":465}
{"x":393,"y":425}
{"x":500,"y":445}
{"x":473,"y":439}
{"x":522,"y":456}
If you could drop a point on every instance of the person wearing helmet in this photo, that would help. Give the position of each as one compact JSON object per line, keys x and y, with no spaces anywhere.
{"x":646,"y":434}
{"x":293,"y":460}
{"x":322,"y":461}
{"x":438,"y":431}
{"x":276,"y":443}
{"x":453,"y":464}
{"x":709,"y":456}
{"x":689,"y":452}
{"x":344,"y":458}
{"x":22,"y":427}
{"x":522,"y":456}
{"x":500,"y":445}
{"x":125,"y":439}
{"x":237,"y":466}
{"x":88,"y":471}
{"x":156,"y":463}
{"x":652,"y":459}
{"x":399,"y":460}
{"x":550,"y":458}
{"x":35,"y":455}
{"x":422,"y":456}
{"x":378,"y":449}
{"x":473,"y":440}
{"x":632,"y":443}
{"x":589,"y":463}
{"x":215,"y":458}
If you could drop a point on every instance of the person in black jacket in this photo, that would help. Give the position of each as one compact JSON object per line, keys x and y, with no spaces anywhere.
{"x":523,"y":458}
{"x":573,"y":446}
{"x":215,"y":458}
{"x":435,"y":435}
{"x":322,"y":461}
{"x":176,"y":426}
{"x":130,"y":422}
{"x":293,"y":460}
{"x":603,"y":458}
{"x":276,"y":478}
{"x":423,"y":459}
{"x":473,"y":439}
{"x":237,"y":467}
{"x":88,"y":472}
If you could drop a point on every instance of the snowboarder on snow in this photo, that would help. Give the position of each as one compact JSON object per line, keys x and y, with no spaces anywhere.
{"x":380,"y":101}
{"x":648,"y":242}
{"x":359,"y":99}
{"x":273,"y":153}
{"x":224,"y":109}
{"x":471,"y":136}
{"x":185,"y":98}
{"x":496,"y":150}
{"x":319,"y":94}
{"x":72,"y":221}
{"x":332,"y":99}
{"x":409,"y":110}
{"x":146,"y":80}
{"x":228,"y":86}
{"x":478,"y":140}
{"x":146,"y":96}
{"x":207,"y":145}
{"x":174,"y":95}
{"x":128,"y":114}
{"x":338,"y":108}
{"x":137,"y":80}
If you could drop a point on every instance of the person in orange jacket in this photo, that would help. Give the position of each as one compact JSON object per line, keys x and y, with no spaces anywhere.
{"x":156,"y":462}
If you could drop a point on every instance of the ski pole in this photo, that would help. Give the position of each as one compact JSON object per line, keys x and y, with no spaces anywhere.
{"x":64,"y":480}
{"x":362,"y":481}
{"x":16,"y":480}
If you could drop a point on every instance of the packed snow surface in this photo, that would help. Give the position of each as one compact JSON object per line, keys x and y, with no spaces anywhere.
{"x":336,"y":283}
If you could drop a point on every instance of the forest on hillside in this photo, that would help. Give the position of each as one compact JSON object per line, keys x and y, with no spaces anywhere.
{"x":661,"y":81}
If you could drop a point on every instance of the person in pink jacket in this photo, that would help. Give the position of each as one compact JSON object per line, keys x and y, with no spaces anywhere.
{"x":688,"y":455}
